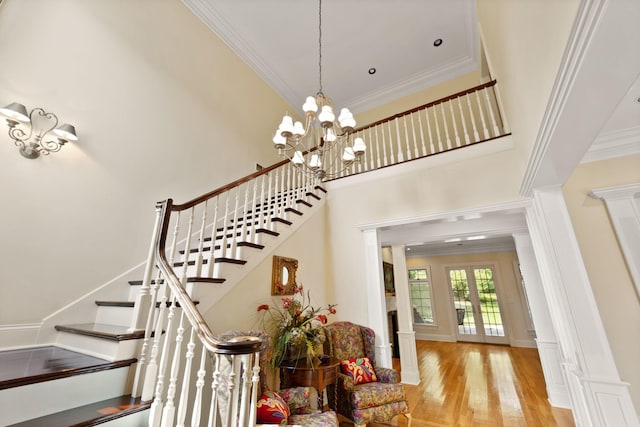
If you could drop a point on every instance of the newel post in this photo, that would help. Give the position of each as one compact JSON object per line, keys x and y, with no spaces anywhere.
{"x":143,"y":300}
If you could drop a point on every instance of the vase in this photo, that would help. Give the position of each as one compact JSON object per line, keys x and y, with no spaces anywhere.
{"x":295,"y":352}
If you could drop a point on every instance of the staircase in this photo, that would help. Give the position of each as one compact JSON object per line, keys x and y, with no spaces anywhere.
{"x":151,"y":358}
{"x":87,"y":390}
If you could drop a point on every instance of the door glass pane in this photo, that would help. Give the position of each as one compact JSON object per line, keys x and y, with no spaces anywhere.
{"x":464,"y":312}
{"x":488,"y":302}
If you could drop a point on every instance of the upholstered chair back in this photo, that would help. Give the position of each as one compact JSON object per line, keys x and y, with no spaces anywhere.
{"x":346,"y":340}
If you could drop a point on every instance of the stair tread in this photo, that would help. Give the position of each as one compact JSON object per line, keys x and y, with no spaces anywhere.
{"x":102,"y":330}
{"x":90,"y":415}
{"x":32,"y":365}
{"x":129,"y":304}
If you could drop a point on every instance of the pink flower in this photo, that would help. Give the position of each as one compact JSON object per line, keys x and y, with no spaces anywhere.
{"x":322,"y":318}
{"x":332,"y":310}
{"x":263,"y":307}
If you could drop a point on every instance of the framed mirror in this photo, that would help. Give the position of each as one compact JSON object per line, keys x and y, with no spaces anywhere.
{"x":283,"y":275}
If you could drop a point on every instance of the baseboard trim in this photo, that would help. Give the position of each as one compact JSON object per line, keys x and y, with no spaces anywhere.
{"x":19,"y":336}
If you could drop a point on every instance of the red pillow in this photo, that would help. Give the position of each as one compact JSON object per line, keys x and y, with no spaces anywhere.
{"x":360,"y":369}
{"x":272,"y":409}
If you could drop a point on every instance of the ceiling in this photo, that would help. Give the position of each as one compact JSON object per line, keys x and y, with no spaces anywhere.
{"x":278,"y":39}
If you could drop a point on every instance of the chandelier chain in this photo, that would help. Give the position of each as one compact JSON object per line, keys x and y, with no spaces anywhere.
{"x":320,"y":46}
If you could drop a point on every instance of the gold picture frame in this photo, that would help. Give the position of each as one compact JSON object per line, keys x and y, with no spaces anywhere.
{"x":283,"y":275}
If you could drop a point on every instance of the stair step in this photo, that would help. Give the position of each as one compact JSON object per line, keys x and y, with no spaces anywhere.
{"x":139,"y":282}
{"x":189,"y":280}
{"x":304,"y":202}
{"x":314,"y":195}
{"x":217,"y":247}
{"x":101,"y":330}
{"x":295,"y":211}
{"x":39,"y":364}
{"x":131,"y":304}
{"x":90,"y":415}
{"x":238,"y":234}
{"x":317,"y":187}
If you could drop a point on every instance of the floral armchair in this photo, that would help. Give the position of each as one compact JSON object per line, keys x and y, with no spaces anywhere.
{"x":297,"y":399}
{"x":376,"y":401}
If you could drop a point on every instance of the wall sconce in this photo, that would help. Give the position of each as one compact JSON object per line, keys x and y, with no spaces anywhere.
{"x":43,"y":127}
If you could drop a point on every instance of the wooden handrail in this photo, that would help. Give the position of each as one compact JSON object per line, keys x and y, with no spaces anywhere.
{"x":185,"y":302}
{"x":427,"y":105}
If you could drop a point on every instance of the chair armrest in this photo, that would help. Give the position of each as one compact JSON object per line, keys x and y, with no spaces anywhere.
{"x":387,"y":375}
{"x":345,"y":382}
{"x":296,"y":398}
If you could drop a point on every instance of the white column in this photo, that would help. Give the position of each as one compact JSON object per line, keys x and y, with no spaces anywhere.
{"x":409,"y":374}
{"x":598,"y":397}
{"x":375,"y":296}
{"x":548,"y":349}
{"x":623,"y":204}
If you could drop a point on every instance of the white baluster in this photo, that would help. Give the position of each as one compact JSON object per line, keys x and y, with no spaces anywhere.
{"x":196,"y":413}
{"x":215,"y":385}
{"x":255,"y":378}
{"x":231,"y":390}
{"x":384,"y":144}
{"x":270,"y":204}
{"x":186,"y":381}
{"x":245,"y":390}
{"x":235,"y":229}
{"x":187,"y":249}
{"x":421,"y":127}
{"x":398,"y":140}
{"x":381,"y":160}
{"x":252,"y":230}
{"x":203,"y":225}
{"x":214,"y":232}
{"x":415,"y":139}
{"x":454,"y":123}
{"x":496,"y":131}
{"x":406,"y":136}
{"x":445,"y":125}
{"x":225,"y":231}
{"x":476,"y":135}
{"x":464,"y":122}
{"x":431,"y":145}
{"x":168,"y":412}
{"x":262,"y":216}
{"x":155,"y":412}
{"x":485,"y":131}
{"x":435,"y":116}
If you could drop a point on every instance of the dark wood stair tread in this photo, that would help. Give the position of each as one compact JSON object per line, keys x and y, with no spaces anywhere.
{"x":131,"y":304}
{"x":90,"y":415}
{"x":33,"y":365}
{"x":239,"y":244}
{"x":102,"y":330}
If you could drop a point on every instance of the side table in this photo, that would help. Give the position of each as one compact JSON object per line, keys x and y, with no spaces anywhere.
{"x":298,"y":373}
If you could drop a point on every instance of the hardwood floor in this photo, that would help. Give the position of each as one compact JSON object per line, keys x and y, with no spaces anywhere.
{"x":479,"y":385}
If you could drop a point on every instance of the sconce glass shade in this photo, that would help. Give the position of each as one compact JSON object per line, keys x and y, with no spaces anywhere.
{"x":66,"y":132}
{"x":15,"y":111}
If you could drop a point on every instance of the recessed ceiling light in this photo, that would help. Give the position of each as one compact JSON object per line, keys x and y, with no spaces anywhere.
{"x":437,"y":42}
{"x":372,"y":70}
{"x":457,"y":239}
{"x":476,"y":237}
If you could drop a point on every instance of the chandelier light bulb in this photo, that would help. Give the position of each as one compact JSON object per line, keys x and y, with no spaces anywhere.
{"x":286,"y":127}
{"x":310,"y":105}
{"x":298,"y":129}
{"x":347,"y":122}
{"x":315,"y":162}
{"x":298,"y":158}
{"x":326,"y":116}
{"x":359,"y":146}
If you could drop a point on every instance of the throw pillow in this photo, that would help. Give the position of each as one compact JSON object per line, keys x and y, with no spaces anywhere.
{"x":360,"y":369}
{"x":272,"y":409}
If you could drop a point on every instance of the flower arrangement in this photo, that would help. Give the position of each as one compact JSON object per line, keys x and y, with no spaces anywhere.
{"x":296,"y":327}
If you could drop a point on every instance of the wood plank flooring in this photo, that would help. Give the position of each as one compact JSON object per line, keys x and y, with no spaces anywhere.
{"x":481,"y":385}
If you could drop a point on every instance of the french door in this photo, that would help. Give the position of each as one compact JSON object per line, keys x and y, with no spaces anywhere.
{"x":475,"y":302}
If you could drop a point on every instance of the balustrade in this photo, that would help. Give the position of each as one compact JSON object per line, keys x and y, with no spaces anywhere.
{"x":211,"y":382}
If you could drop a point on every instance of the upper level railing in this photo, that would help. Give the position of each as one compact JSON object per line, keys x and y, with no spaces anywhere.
{"x":194,"y":242}
{"x":459,"y":120}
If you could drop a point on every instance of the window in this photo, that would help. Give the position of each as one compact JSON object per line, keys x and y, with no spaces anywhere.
{"x":421,"y":295}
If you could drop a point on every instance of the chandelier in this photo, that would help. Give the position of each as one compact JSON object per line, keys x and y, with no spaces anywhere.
{"x":321,"y":147}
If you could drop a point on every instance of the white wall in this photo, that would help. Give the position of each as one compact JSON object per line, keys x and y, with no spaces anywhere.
{"x":162,"y":109}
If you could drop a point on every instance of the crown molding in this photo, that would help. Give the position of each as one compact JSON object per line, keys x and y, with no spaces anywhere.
{"x":617,"y":143}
